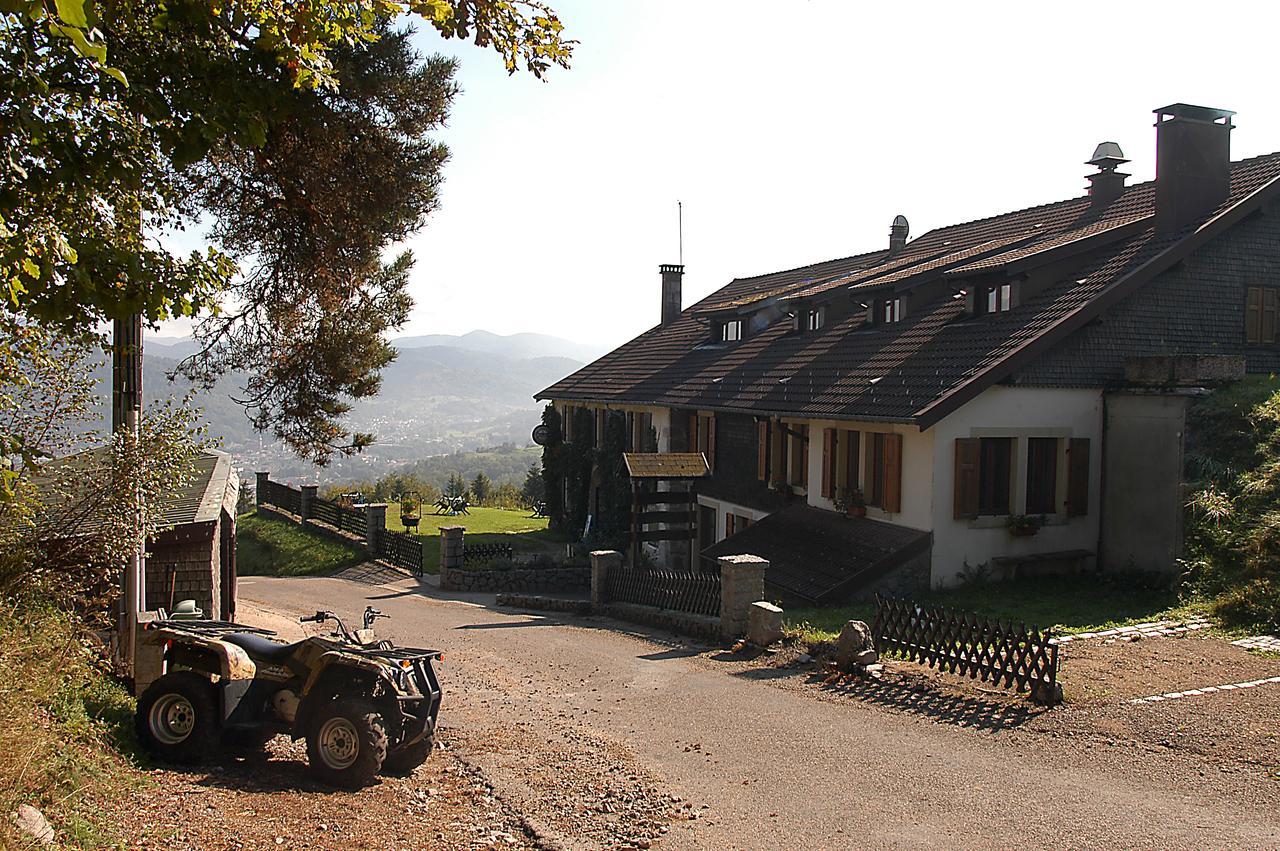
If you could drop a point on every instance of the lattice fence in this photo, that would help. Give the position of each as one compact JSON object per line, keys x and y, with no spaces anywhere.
{"x":694,"y":593}
{"x":482,"y":553}
{"x":401,"y":550}
{"x":967,"y":644}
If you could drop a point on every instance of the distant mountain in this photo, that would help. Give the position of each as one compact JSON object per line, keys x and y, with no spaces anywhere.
{"x":511,"y":346}
{"x":435,"y":400}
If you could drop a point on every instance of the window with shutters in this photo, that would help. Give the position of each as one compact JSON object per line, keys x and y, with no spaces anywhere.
{"x":995,"y":474}
{"x":883,"y":472}
{"x":1042,"y":475}
{"x":798,"y":455}
{"x":1260,"y":314}
{"x":839,"y":462}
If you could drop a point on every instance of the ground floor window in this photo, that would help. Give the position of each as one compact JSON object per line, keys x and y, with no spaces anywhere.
{"x":1042,"y":475}
{"x":995,"y":468}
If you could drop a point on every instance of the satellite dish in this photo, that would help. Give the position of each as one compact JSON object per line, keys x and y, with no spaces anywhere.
{"x":541,"y":435}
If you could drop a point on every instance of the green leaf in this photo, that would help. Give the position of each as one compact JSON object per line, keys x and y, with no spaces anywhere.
{"x":31,"y":267}
{"x":82,"y":44}
{"x":72,"y":12}
{"x":118,"y":75}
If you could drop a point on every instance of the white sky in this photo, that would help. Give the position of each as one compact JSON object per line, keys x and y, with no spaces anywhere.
{"x":794,"y":131}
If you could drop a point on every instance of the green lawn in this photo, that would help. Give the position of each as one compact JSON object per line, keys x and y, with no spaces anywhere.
{"x":266,"y":546}
{"x":526,"y":534}
{"x":1067,"y":604}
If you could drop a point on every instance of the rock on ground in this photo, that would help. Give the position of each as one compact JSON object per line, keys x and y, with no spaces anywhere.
{"x":855,"y":645}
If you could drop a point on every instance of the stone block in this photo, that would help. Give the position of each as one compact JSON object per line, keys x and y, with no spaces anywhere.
{"x":764,"y":624}
{"x":855,"y":646}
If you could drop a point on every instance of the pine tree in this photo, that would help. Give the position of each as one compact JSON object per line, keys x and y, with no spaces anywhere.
{"x":481,"y":489}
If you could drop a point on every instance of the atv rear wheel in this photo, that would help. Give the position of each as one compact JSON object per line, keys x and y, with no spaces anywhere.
{"x":177,"y":718}
{"x":401,"y":763}
{"x":347,"y":743}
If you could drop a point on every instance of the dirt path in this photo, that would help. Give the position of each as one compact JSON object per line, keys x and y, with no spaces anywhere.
{"x":597,"y":737}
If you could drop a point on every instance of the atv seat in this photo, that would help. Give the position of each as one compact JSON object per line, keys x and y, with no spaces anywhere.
{"x":261,"y":648}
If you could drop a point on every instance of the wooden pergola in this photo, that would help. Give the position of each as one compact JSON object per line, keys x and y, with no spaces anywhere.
{"x":664,"y":515}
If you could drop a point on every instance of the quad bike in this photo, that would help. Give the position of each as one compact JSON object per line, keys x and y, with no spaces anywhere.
{"x":363,"y":705}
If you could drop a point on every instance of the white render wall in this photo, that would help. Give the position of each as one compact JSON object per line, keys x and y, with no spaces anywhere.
{"x":917,"y":470}
{"x":1018,"y":412}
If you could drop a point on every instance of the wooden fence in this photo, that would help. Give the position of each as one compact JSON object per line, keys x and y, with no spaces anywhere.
{"x":283,"y":496}
{"x":481,"y":553}
{"x":694,"y":593}
{"x":969,"y":645}
{"x":401,"y":550}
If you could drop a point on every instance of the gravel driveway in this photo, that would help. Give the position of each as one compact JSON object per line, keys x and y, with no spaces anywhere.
{"x":598,"y":734}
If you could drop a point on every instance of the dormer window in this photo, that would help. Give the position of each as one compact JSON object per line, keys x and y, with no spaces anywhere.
{"x":731,"y":331}
{"x":999,"y":298}
{"x":891,"y":310}
{"x":816,"y":318}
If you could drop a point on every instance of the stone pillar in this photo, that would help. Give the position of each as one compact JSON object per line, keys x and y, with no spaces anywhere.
{"x":602,"y":561}
{"x":260,"y":489}
{"x":741,"y":584}
{"x":450,"y":551}
{"x":308,"y":497}
{"x":375,"y":521}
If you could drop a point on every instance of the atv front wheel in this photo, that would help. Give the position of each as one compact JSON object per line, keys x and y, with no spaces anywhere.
{"x":401,"y":763}
{"x":347,"y":744}
{"x":177,"y":718}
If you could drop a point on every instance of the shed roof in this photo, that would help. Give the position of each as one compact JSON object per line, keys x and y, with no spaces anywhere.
{"x":666,"y":465}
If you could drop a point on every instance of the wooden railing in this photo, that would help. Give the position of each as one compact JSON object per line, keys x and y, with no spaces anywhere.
{"x":694,"y":593}
{"x":969,"y":645}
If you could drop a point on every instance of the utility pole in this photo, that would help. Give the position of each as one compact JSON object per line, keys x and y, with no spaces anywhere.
{"x":126,"y":416}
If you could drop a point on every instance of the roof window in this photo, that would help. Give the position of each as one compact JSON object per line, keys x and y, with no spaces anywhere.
{"x":731,"y":331}
{"x":815,"y":318}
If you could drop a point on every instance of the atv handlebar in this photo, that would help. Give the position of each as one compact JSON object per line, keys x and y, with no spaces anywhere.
{"x":318,"y":617}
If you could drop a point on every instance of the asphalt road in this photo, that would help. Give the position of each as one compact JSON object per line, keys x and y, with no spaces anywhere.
{"x":759,"y":758}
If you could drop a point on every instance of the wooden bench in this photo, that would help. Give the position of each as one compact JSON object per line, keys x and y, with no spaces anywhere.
{"x":1069,"y":562}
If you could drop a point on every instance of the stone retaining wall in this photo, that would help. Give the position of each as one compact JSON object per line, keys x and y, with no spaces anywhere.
{"x":545,"y":604}
{"x":697,"y":626}
{"x":517,"y":579}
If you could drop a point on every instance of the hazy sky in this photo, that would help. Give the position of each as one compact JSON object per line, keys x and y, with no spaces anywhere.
{"x":794,"y":131}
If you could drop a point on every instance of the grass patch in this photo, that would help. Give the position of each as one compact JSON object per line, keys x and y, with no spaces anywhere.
{"x":1065,"y":604}
{"x":66,"y":729}
{"x":524,"y":533}
{"x":266,"y":546}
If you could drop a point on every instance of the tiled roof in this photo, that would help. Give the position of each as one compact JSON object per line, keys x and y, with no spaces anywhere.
{"x":821,"y":557}
{"x":912,"y":370}
{"x":665,"y":465}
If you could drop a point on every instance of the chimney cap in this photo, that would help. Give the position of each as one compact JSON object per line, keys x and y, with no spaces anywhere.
{"x":900,"y":221}
{"x":1107,"y":156}
{"x":1190,"y":112}
{"x":677,"y":268}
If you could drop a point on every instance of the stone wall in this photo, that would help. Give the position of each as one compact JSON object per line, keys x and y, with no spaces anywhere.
{"x":577,"y":579}
{"x":697,"y":626}
{"x":545,"y":604}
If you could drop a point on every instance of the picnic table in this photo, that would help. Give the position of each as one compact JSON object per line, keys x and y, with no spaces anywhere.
{"x":539,"y":509}
{"x":452,"y":505}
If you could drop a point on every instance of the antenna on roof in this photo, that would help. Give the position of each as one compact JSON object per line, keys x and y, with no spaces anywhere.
{"x":680,"y":226}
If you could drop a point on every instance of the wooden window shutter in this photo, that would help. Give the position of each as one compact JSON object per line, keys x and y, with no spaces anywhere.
{"x":762,"y":450}
{"x":968,"y":455}
{"x":1078,"y":477}
{"x":711,"y":442}
{"x":804,"y":456}
{"x":693,"y":433}
{"x":828,"y":460}
{"x":777,"y":453}
{"x":1268,"y":323}
{"x":1253,"y":315}
{"x":892,"y":473}
{"x":729,"y":526}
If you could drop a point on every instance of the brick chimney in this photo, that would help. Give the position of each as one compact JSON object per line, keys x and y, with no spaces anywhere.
{"x":1107,"y":184}
{"x":898,"y":234}
{"x":672,"y":281}
{"x":1193,"y":163}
